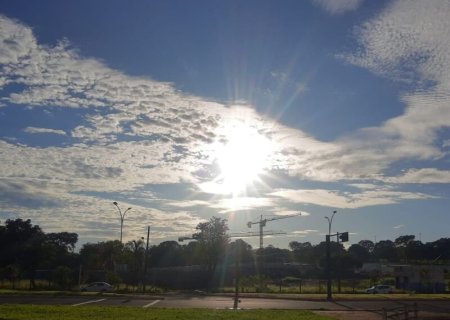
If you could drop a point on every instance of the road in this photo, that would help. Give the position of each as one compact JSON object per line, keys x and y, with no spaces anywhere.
{"x":220,"y":302}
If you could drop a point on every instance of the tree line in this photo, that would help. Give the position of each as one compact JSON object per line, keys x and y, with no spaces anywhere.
{"x":27,"y":252}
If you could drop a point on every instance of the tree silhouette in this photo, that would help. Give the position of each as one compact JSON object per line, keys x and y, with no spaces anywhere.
{"x":212,"y":240}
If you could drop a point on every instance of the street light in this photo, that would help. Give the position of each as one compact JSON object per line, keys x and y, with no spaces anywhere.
{"x":122,"y":217}
{"x":330,"y":221}
{"x":328,"y":239}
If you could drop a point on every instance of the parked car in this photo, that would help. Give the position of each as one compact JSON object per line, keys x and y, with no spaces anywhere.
{"x":380,"y":288}
{"x":97,"y":287}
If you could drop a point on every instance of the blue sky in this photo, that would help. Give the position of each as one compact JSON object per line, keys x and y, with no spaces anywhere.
{"x":185,"y":110}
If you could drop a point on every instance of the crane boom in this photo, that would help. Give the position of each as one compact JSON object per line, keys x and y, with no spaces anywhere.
{"x":254,"y":234}
{"x":262,"y":223}
{"x":237,"y":235}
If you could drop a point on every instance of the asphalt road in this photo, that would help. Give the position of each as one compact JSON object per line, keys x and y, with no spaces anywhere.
{"x":218,"y":302}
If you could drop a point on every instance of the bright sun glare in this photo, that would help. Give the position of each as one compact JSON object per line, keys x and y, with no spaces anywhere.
{"x":242,"y":158}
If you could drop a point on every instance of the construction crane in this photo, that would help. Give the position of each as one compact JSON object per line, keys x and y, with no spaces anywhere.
{"x":236,"y":235}
{"x":263,"y":221}
{"x":237,"y":272}
{"x":254,"y":234}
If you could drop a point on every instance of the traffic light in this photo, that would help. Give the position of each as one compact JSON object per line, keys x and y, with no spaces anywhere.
{"x":343,"y":236}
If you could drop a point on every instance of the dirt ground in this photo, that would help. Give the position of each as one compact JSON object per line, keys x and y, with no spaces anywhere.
{"x":369,"y":315}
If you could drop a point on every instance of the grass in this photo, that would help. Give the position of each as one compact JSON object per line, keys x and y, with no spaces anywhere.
{"x":37,"y":312}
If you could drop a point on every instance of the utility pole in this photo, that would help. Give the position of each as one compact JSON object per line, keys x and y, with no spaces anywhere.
{"x":339,"y":266}
{"x":328,"y":269}
{"x":328,"y":255}
{"x":339,"y":236}
{"x":237,"y":258}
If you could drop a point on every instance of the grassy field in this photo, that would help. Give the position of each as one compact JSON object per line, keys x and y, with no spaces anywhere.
{"x":35,"y":312}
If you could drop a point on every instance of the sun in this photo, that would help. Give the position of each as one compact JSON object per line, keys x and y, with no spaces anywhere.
{"x":242,"y":158}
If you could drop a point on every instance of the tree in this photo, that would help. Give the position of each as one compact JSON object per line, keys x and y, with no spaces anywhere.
{"x":60,"y":250}
{"x":403,"y":241}
{"x":102,"y":255}
{"x":63,"y":277}
{"x":302,"y":251}
{"x":135,"y":255}
{"x":438,"y":250}
{"x":415,"y":250}
{"x":14,"y":237}
{"x":22,"y":245}
{"x":111,"y":254}
{"x":244,"y":249}
{"x":64,"y":240}
{"x":166,"y":254}
{"x":368,"y":245}
{"x":359,"y":253}
{"x":12,"y":273}
{"x":271,"y":254}
{"x":385,"y":250}
{"x":189,"y":253}
{"x":212,"y":239}
{"x":28,"y":248}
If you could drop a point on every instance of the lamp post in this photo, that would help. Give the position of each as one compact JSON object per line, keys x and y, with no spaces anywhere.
{"x":330,"y":221}
{"x":122,"y":217}
{"x":328,"y":239}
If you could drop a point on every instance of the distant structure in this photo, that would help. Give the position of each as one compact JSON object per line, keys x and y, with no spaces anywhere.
{"x":421,"y":278}
{"x":263,"y":221}
{"x":417,"y":278}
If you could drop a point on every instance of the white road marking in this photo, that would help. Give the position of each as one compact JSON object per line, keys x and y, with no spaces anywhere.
{"x":87,"y":302}
{"x":151,"y":303}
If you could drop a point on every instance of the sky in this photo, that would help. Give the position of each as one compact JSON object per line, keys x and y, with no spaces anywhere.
{"x":184,"y":110}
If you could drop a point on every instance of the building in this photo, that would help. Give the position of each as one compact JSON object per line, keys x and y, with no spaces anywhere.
{"x":421,"y":278}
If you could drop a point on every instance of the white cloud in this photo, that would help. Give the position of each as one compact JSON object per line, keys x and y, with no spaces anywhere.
{"x":446,"y":143}
{"x":241,"y":203}
{"x":281,"y":212}
{"x":341,"y":200}
{"x":301,"y":233}
{"x":305,"y":232}
{"x":184,"y":131}
{"x":338,"y":6}
{"x":17,"y":41}
{"x":188,"y":203}
{"x":44,"y":130}
{"x":407,"y":42}
{"x":94,"y":219}
{"x":425,"y":175}
{"x":172,"y":137}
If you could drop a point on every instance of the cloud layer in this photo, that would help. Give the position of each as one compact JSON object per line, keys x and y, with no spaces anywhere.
{"x":338,"y":6}
{"x":137,"y":133}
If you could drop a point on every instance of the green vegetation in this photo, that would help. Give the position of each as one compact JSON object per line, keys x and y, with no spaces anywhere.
{"x":34,"y":260}
{"x":36,"y":312}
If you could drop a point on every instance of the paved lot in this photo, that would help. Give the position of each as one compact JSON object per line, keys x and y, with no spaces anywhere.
{"x":217,"y":302}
